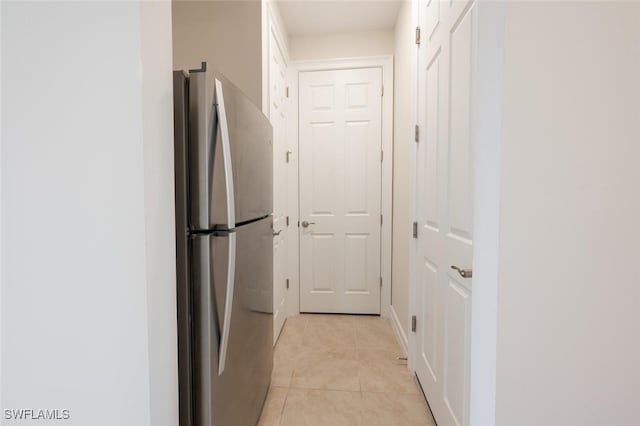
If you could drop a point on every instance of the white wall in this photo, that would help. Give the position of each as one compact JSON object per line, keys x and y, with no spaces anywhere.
{"x":225,"y":34}
{"x":83,"y":169}
{"x":1,"y":207}
{"x":157,"y":110}
{"x":569,"y":282}
{"x":487,"y":141}
{"x":341,"y":45}
{"x":403,"y":135}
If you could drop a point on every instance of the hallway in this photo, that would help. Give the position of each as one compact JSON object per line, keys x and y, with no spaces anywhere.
{"x":341,"y":370}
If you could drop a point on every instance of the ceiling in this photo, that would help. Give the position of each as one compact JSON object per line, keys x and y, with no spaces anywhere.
{"x":307,"y":17}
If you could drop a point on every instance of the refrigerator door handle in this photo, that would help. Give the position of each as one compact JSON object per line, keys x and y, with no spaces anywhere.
{"x":228,"y":303}
{"x":226,"y":156}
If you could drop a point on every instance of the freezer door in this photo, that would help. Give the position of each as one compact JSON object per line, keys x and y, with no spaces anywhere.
{"x":232,"y":377}
{"x":230,"y":155}
{"x":250,"y":140}
{"x":200,"y":159}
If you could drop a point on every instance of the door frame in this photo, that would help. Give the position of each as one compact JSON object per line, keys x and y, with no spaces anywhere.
{"x":385,"y":63}
{"x":272,"y":28}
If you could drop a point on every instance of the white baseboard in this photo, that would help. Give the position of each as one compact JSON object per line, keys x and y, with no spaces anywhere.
{"x":400,"y":334}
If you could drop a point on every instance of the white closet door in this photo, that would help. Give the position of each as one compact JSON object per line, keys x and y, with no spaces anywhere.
{"x":445,"y":210}
{"x":340,"y":190}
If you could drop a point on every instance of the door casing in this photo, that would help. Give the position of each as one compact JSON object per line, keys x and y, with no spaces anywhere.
{"x":273,"y":39}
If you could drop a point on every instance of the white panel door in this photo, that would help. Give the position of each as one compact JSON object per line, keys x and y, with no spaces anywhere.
{"x":444,"y":204}
{"x":340,"y":190}
{"x":277,"y":115}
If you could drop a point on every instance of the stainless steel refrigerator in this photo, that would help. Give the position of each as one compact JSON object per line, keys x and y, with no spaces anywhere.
{"x":223,"y":158}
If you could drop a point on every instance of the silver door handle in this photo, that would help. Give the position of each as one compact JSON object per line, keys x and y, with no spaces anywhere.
{"x":275,"y":234}
{"x":464,"y":273}
{"x":228,"y":304}
{"x":226,"y":155}
{"x":306,"y":224}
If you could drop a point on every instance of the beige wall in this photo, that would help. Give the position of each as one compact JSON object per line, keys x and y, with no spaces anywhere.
{"x":402,"y":141}
{"x":226,"y":34}
{"x":341,"y":45}
{"x":569,"y":282}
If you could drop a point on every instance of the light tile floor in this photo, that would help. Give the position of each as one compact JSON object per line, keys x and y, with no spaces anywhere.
{"x":341,"y":370}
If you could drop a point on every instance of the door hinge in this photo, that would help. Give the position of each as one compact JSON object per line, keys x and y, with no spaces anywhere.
{"x":381,"y":156}
{"x":380,"y":282}
{"x":414,"y":322}
{"x":417,"y":133}
{"x":382,"y":91}
{"x":415,"y":229}
{"x":418,"y":36}
{"x":287,"y":283}
{"x":287,"y":91}
{"x":288,"y":156}
{"x":287,"y":220}
{"x":381,"y":220}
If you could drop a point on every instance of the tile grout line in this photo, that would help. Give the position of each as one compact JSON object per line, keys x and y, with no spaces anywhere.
{"x":286,"y":397}
{"x":324,"y":390}
{"x":288,"y":387}
{"x":355,"y":335}
{"x":361,"y":407}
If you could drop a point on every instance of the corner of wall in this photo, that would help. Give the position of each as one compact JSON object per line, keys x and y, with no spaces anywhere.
{"x":400,"y":333}
{"x":402,"y":145}
{"x":1,"y":206}
{"x":487,"y":134}
{"x":159,"y":208}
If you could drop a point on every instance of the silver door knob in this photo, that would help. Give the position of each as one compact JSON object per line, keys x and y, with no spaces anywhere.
{"x":306,"y":224}
{"x":464,"y":273}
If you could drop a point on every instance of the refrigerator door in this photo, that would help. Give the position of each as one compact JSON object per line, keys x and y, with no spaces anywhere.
{"x":249,"y":136}
{"x":230,"y":156}
{"x":203,"y":127}
{"x":232,"y":392}
{"x":209,"y":254}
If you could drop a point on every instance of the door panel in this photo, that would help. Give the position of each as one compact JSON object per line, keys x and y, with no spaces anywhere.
{"x":444,"y":205}
{"x":355,"y":258}
{"x":456,"y":383}
{"x":429,"y":343}
{"x":340,"y":184}
{"x":323,"y":169}
{"x":460,"y":212}
{"x":430,"y":199}
{"x":324,"y":279}
{"x":279,"y":285}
